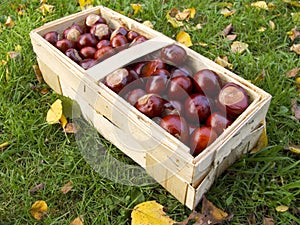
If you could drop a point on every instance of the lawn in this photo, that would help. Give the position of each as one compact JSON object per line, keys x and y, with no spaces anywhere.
{"x":39,"y":153}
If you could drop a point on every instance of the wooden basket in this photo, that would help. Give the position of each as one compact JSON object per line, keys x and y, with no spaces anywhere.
{"x":163,"y":156}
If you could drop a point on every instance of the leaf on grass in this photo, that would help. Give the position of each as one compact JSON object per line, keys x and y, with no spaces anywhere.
{"x":39,"y":210}
{"x":260,"y":5}
{"x":148,"y":23}
{"x":260,"y":77}
{"x":223,"y":61}
{"x":293,"y":72}
{"x":238,"y":47}
{"x":293,"y":3}
{"x":184,"y":38}
{"x":293,"y":34}
{"x":77,"y":221}
{"x":46,"y":8}
{"x":262,"y":141}
{"x":298,"y":83}
{"x":150,"y":212}
{"x":9,"y":22}
{"x":268,"y":221}
{"x":295,"y":48}
{"x":282,"y":208}
{"x":186,"y":14}
{"x":296,"y":17}
{"x":38,"y":73}
{"x":272,"y":25}
{"x":137,"y":8}
{"x":227,"y":30}
{"x":85,"y":4}
{"x":55,"y":112}
{"x":71,"y":128}
{"x":67,"y":187}
{"x":227,"y":12}
{"x":294,"y":149}
{"x":4,"y":145}
{"x":262,"y":29}
{"x":63,"y":121}
{"x":296,"y":109}
{"x":172,"y":20}
{"x":36,"y":188}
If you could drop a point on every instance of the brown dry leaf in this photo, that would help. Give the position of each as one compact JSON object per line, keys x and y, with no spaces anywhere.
{"x":173,"y":21}
{"x":231,"y":37}
{"x":36,"y":188}
{"x":85,"y":4}
{"x":268,"y":221}
{"x":184,"y":38}
{"x":294,"y":3}
{"x":14,"y":55}
{"x":67,"y":187}
{"x":44,"y":91}
{"x":282,"y":208}
{"x":295,"y":109}
{"x":227,"y":12}
{"x":3,"y":62}
{"x":260,"y":5}
{"x":46,"y":8}
{"x":77,"y":221}
{"x":39,"y":209}
{"x":150,"y":213}
{"x":227,"y":30}
{"x":71,"y":128}
{"x":262,"y":141}
{"x":293,"y":34}
{"x":223,"y":61}
{"x":294,"y":149}
{"x":238,"y":47}
{"x":260,"y":77}
{"x":137,"y":8}
{"x":148,"y":23}
{"x":272,"y":25}
{"x":295,"y":48}
{"x":9,"y":22}
{"x":38,"y":73}
{"x":293,"y":72}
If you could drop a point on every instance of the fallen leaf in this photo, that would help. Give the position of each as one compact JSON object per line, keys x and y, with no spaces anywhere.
{"x":38,"y":73}
{"x":260,"y":77}
{"x":227,"y":12}
{"x":227,"y":30}
{"x":71,"y":128}
{"x":137,"y":8}
{"x":148,"y":23}
{"x":272,"y":25}
{"x":294,"y":149}
{"x":293,"y":3}
{"x":182,"y":15}
{"x":175,"y":23}
{"x":184,"y":38}
{"x":293,"y":34}
{"x":262,"y":29}
{"x":296,"y":109}
{"x":85,"y":4}
{"x":55,"y":112}
{"x":231,"y":37}
{"x":260,"y":5}
{"x":268,"y":221}
{"x":298,"y":82}
{"x":9,"y":22}
{"x":238,"y":47}
{"x":223,"y":61}
{"x":296,"y":17}
{"x":14,"y":55}
{"x":262,"y":142}
{"x":63,"y":121}
{"x":67,"y":187}
{"x":3,"y":62}
{"x":44,"y":91}
{"x":295,"y":48}
{"x":39,"y":210}
{"x":4,"y":145}
{"x":293,"y":72}
{"x":21,"y":10}
{"x":77,"y":221}
{"x":208,"y":208}
{"x":46,"y":8}
{"x":282,"y":208}
{"x":150,"y":213}
{"x":36,"y":188}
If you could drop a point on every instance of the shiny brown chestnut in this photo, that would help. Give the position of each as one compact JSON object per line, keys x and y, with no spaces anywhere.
{"x":201,"y":138}
{"x":177,"y":126}
{"x":101,"y":31}
{"x":173,"y":54}
{"x":134,"y":95}
{"x":150,"y":104}
{"x":182,"y":71}
{"x":131,"y":35}
{"x":172,"y":107}
{"x":120,"y":30}
{"x":64,"y":44}
{"x":218,"y":121}
{"x":118,"y":79}
{"x":104,"y":53}
{"x":139,"y":39}
{"x":156,"y":84}
{"x":73,"y":54}
{"x":118,"y":41}
{"x":51,"y":37}
{"x":207,"y":82}
{"x":87,"y":63}
{"x":86,"y":39}
{"x":151,"y":66}
{"x":72,"y":33}
{"x":197,"y":108}
{"x":233,"y":98}
{"x":87,"y":52}
{"x":92,"y":19}
{"x":180,"y":87}
{"x":103,"y":43}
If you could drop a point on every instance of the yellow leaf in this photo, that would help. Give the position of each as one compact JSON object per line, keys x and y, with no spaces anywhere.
{"x":294,"y":3}
{"x":63,"y":121}
{"x":4,"y":145}
{"x":295,"y":48}
{"x":9,"y":22}
{"x":238,"y":47}
{"x":294,"y":149}
{"x":293,"y":34}
{"x":226,"y":12}
{"x":77,"y":221}
{"x":148,"y":24}
{"x":282,"y":208}
{"x":260,"y":5}
{"x":150,"y":213}
{"x":262,"y":29}
{"x":192,"y":12}
{"x":298,"y":82}
{"x":67,"y":187}
{"x":39,"y":209}
{"x":223,"y":61}
{"x":182,"y":15}
{"x":184,"y":38}
{"x":85,"y":4}
{"x":45,"y":8}
{"x":272,"y":24}
{"x":55,"y":112}
{"x":262,"y":142}
{"x":175,"y":23}
{"x":137,"y":8}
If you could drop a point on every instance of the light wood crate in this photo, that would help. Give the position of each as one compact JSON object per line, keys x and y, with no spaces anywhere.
{"x":163,"y":156}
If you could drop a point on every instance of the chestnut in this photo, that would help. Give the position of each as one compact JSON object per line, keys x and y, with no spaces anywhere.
{"x":139,"y":39}
{"x":137,"y":67}
{"x":182,"y":71}
{"x":131,"y":35}
{"x":161,"y":72}
{"x":101,"y":31}
{"x":118,"y":40}
{"x":73,"y":54}
{"x":104,"y":53}
{"x":197,"y":108}
{"x":120,"y":30}
{"x":207,"y":82}
{"x":64,"y":44}
{"x":218,"y":121}
{"x":118,"y":79}
{"x":173,"y":54}
{"x":92,"y":19}
{"x":87,"y":63}
{"x":72,"y":33}
{"x":134,"y":95}
{"x":150,"y":104}
{"x":172,"y":107}
{"x":87,"y":52}
{"x":179,"y":87}
{"x":233,"y":98}
{"x":150,"y":67}
{"x":177,"y":126}
{"x":156,"y":84}
{"x":201,"y":138}
{"x":86,"y":39}
{"x":51,"y":37}
{"x":103,"y":43}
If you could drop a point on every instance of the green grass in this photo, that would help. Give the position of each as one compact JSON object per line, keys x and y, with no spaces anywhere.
{"x":40,"y":153}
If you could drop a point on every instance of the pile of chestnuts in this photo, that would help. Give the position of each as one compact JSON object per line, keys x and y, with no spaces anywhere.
{"x":94,"y":41}
{"x":194,"y":107}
